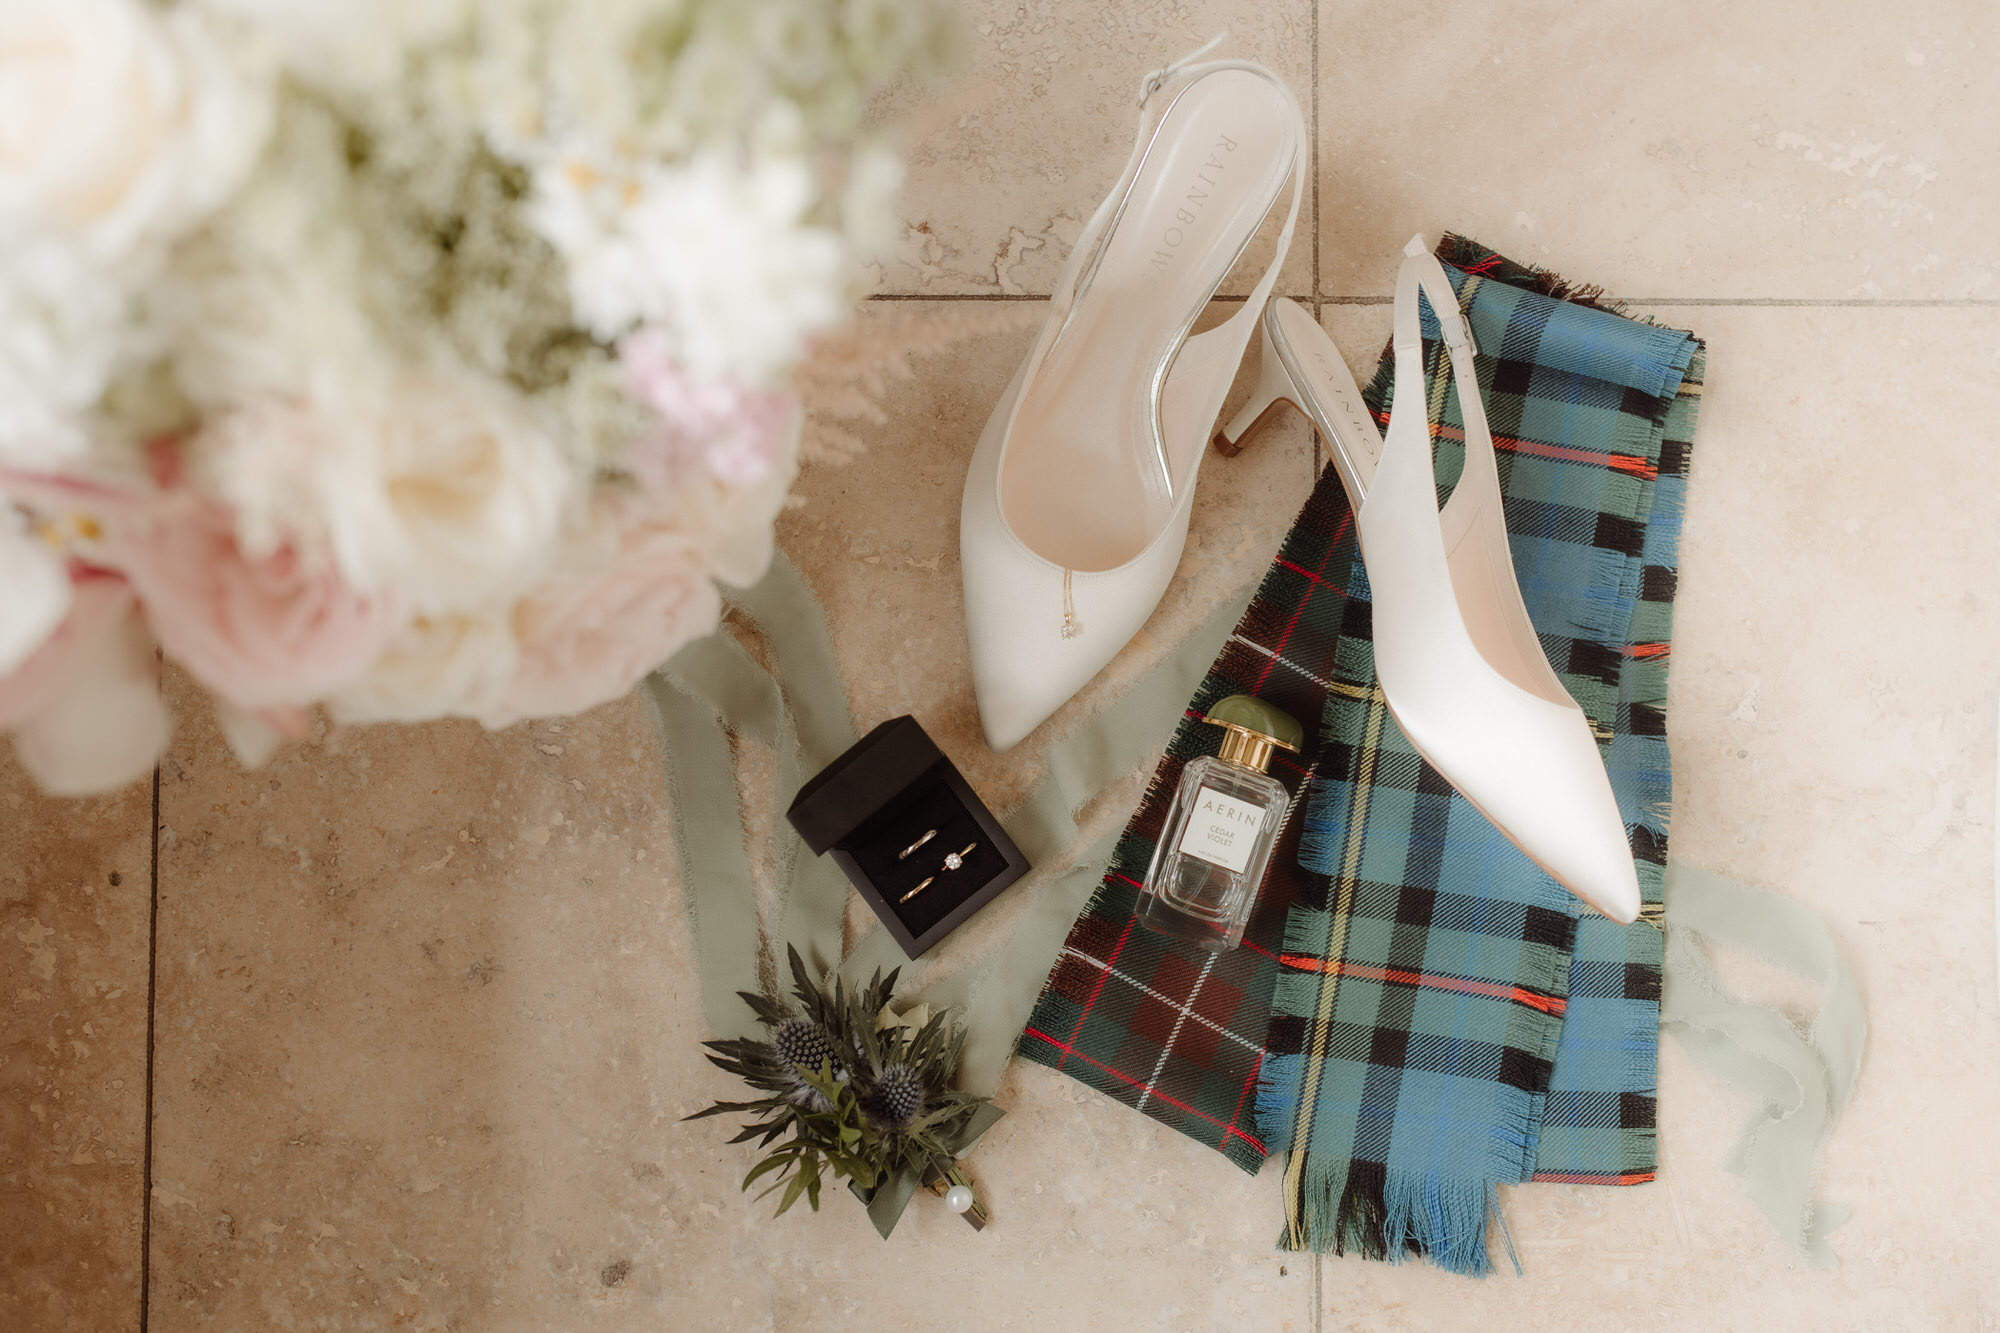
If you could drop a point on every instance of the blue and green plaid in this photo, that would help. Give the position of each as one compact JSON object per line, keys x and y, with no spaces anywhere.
{"x":1446,"y":1018}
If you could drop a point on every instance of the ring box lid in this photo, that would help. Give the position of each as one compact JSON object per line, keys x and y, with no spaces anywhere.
{"x":884,"y":764}
{"x":908,"y":831}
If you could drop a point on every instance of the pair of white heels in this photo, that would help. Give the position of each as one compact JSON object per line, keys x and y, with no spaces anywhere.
{"x":1077,"y":503}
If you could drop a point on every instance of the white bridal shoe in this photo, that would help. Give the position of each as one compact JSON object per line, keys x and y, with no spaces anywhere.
{"x":1460,"y":667}
{"x":1076,"y":505}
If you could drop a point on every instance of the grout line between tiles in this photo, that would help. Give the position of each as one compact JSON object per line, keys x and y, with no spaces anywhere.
{"x":152,"y":991}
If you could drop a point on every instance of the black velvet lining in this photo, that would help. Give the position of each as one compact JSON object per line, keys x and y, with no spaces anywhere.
{"x":929,"y":804}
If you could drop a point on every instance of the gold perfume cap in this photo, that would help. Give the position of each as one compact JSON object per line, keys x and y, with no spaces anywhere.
{"x":1252,"y":729}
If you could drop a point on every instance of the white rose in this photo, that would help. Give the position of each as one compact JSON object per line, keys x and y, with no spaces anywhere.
{"x":445,"y":491}
{"x":118,"y":124}
{"x":441,"y":666}
{"x":37,"y":593}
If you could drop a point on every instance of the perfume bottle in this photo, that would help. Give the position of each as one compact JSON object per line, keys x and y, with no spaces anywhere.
{"x":1220,"y":828}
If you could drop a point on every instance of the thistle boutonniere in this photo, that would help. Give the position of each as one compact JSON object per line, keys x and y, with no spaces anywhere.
{"x":854,"y":1091}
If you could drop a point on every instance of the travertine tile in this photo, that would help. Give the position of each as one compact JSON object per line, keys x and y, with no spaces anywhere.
{"x":427,"y":1020}
{"x":75,"y":898}
{"x":1753,"y":150}
{"x":1008,"y":161}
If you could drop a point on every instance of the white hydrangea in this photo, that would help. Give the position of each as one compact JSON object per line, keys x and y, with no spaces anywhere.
{"x":62,"y":333}
{"x":719,"y":253}
{"x":348,"y":45}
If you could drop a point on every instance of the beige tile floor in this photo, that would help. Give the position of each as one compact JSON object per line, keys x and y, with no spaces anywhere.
{"x":399,"y":1029}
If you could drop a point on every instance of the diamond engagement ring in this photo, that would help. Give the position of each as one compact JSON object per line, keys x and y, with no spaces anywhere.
{"x":956,"y":859}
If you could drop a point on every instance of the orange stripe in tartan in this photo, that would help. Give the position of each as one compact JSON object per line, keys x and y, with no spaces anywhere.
{"x":1630,"y":464}
{"x":1647,"y":650}
{"x":1128,"y":1080}
{"x":1548,"y":1004}
{"x":1595,"y":1178}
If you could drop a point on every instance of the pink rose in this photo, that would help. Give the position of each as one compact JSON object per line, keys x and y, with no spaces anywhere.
{"x":263,"y":631}
{"x":85,"y":708}
{"x":586,"y":639}
{"x":739,"y":434}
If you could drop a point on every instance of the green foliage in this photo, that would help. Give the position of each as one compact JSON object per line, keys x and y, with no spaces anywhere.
{"x":879,"y":1104}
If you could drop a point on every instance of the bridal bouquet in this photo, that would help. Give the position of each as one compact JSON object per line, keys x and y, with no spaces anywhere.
{"x":406,"y":358}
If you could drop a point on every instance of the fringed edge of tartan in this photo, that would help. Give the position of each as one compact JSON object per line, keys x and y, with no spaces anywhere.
{"x":1465,"y":253}
{"x":1381,"y":1214}
{"x":1643,"y":685}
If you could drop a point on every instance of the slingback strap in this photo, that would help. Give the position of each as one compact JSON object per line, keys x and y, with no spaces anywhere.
{"x":1158,"y":79}
{"x":1233,"y":333}
{"x":1422,"y":275}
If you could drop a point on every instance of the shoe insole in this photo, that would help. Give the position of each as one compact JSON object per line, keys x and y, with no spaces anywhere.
{"x":1088,"y":481}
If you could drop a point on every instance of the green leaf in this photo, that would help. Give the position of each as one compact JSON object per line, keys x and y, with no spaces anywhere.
{"x":774,"y":1162}
{"x":792,"y":1192}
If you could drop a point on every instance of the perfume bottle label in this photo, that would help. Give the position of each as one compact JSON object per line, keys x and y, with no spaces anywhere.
{"x":1222,"y":830}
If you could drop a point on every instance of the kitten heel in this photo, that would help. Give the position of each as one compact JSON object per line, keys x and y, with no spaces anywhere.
{"x":1274,"y":389}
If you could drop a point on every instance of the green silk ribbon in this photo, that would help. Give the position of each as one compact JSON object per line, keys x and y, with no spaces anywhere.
{"x":1802,"y":1078}
{"x":714,"y":688}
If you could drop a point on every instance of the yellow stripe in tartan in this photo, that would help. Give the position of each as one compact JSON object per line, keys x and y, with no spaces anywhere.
{"x":1336,"y":947}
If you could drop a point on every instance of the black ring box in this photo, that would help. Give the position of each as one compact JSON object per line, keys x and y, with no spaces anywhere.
{"x":879,"y":798}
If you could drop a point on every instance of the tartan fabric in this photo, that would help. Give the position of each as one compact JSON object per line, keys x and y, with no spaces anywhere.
{"x":1159,"y":1024}
{"x":1181,"y":1035}
{"x":1447,"y":1018}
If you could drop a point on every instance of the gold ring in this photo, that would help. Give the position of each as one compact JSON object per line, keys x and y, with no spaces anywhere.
{"x":914,"y":892}
{"x":904,"y":855}
{"x":957,"y":858}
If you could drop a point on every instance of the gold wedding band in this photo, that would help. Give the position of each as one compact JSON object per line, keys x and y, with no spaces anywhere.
{"x":914,"y":892}
{"x":904,"y":855}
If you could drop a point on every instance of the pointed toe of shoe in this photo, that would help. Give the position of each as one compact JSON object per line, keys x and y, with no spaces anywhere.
{"x":1009,"y":709}
{"x":1594,"y":862}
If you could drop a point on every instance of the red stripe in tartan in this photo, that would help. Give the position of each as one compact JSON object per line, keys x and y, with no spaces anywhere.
{"x":1595,"y":1178}
{"x":1548,"y":1004}
{"x":1631,"y":464}
{"x":1647,"y":650}
{"x":1301,"y":569}
{"x":1098,"y":989}
{"x":1069,"y":1050}
{"x":1277,"y":649}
